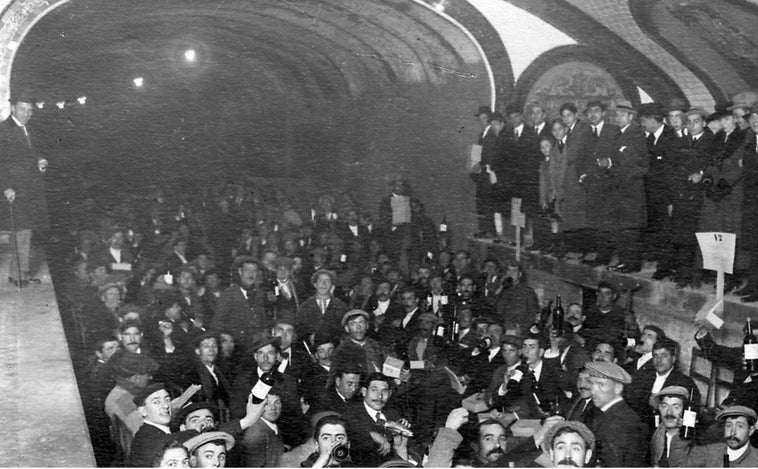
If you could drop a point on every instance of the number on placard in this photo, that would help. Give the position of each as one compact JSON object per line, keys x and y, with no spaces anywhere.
{"x":717,"y":236}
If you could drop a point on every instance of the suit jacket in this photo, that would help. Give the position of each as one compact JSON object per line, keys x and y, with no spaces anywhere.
{"x":480,"y":369}
{"x":234,"y":314}
{"x":623,"y":438}
{"x":517,"y":307}
{"x":684,"y":455}
{"x":583,"y":413}
{"x":547,"y":390}
{"x":19,"y":170}
{"x":662,"y":159}
{"x":211,"y":391}
{"x":260,"y":446}
{"x":310,"y":319}
{"x":596,"y":181}
{"x":359,"y":425}
{"x":145,"y":445}
{"x":638,"y":393}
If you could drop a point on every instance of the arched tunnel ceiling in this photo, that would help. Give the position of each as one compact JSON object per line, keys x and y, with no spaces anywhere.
{"x":314,"y":51}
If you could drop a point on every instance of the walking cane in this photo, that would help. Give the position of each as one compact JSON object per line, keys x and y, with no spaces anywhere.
{"x":15,"y":246}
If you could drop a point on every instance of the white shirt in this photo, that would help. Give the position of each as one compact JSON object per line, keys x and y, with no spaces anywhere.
{"x":538,"y":128}
{"x":493,"y":353}
{"x":537,"y":370}
{"x":657,"y":134}
{"x":735,"y":454}
{"x":381,"y":307}
{"x":518,"y":130}
{"x":659,"y":380}
{"x":599,"y":127}
{"x":408,"y":317}
{"x":644,"y":359}
{"x":372,"y":413}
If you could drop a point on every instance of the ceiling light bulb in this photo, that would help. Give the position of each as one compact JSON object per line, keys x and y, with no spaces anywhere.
{"x":61,"y":104}
{"x":40,"y":105}
{"x":190,"y":55}
{"x":82,"y":100}
{"x":138,"y":82}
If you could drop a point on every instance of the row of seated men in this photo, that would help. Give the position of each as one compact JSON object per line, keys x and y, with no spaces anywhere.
{"x":345,"y":354}
{"x":633,"y":182}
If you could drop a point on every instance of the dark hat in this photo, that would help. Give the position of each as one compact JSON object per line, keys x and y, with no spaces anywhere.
{"x":285,"y":316}
{"x":622,"y":105}
{"x":323,"y":337}
{"x":262,"y":339}
{"x":130,"y":364}
{"x":607,"y":370}
{"x":193,"y":406}
{"x":284,"y":261}
{"x":595,"y":103}
{"x":319,"y":272}
{"x":21,"y":95}
{"x":650,"y":109}
{"x":129,"y":323}
{"x":352,"y":313}
{"x":677,"y":391}
{"x":147,"y":391}
{"x":199,"y":440}
{"x":511,"y":339}
{"x":483,"y":110}
{"x":574,"y":425}
{"x":513,"y":108}
{"x":697,"y":110}
{"x":676,"y":104}
{"x":721,"y":110}
{"x":738,"y":411}
{"x":496,"y":116}
{"x":658,"y":331}
{"x":207,"y":335}
{"x":753,"y":109}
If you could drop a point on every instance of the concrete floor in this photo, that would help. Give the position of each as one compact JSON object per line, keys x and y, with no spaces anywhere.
{"x":41,"y":418}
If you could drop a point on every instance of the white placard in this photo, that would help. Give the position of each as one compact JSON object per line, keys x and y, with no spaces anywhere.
{"x":718,"y":250}
{"x":474,"y":155}
{"x":710,"y":311}
{"x":392,"y":367}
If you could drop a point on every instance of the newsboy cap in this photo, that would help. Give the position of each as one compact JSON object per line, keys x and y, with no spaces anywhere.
{"x":675,"y":391}
{"x":574,"y":425}
{"x":206,"y":437}
{"x":603,"y":369}
{"x":738,"y":411}
{"x":352,"y":313}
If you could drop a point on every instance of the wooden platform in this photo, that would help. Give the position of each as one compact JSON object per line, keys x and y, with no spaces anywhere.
{"x":42,"y":418}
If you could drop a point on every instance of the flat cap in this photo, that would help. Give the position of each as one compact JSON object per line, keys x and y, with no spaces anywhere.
{"x":206,"y":437}
{"x":574,"y":425}
{"x":738,"y":411}
{"x":602,"y":369}
{"x":320,"y":272}
{"x":148,"y":391}
{"x":483,"y":110}
{"x":622,"y":105}
{"x":130,"y":364}
{"x":511,"y":339}
{"x":677,"y":391}
{"x":194,"y":406}
{"x":352,"y":313}
{"x":262,"y":339}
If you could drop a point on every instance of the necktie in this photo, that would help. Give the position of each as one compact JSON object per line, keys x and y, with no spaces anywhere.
{"x":594,"y":132}
{"x":322,"y":305}
{"x":26,"y":135}
{"x":251,"y":297}
{"x":285,"y":356}
{"x":650,"y":140}
{"x":380,"y":422}
{"x":560,"y":146}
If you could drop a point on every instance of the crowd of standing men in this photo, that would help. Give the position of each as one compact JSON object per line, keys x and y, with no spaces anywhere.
{"x":637,"y":183}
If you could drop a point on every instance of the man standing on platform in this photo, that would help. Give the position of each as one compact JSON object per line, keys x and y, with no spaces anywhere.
{"x":22,"y":183}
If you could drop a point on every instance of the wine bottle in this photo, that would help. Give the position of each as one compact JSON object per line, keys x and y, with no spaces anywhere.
{"x":558,"y":317}
{"x":750,"y":348}
{"x":689,"y":418}
{"x":484,"y":344}
{"x":262,"y":387}
{"x":555,"y":406}
{"x":454,"y":329}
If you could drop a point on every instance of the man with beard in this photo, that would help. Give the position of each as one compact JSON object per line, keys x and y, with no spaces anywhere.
{"x":671,"y":402}
{"x":735,"y":451}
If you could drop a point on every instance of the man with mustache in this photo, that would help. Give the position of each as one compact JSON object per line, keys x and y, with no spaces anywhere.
{"x":570,"y":444}
{"x":735,"y":451}
{"x":670,"y":402}
{"x":583,"y":409}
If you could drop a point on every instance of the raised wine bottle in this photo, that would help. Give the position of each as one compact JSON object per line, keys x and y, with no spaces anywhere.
{"x":750,"y":349}
{"x":557,"y":318}
{"x":689,"y":418}
{"x":262,"y":387}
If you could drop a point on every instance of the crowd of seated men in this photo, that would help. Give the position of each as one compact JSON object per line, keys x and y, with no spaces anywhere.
{"x":611,"y":181}
{"x":224,"y":328}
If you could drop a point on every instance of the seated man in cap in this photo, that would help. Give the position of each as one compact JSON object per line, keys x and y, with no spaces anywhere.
{"x":322,"y":310}
{"x":209,"y":449}
{"x":517,"y":306}
{"x":735,"y":451}
{"x":622,"y":437}
{"x":671,"y":402}
{"x":154,"y":405}
{"x":338,"y":396}
{"x":133,"y":372}
{"x":569,"y":444}
{"x":294,"y":361}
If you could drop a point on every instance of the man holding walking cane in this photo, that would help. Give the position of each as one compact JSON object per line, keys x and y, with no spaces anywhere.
{"x":23,"y":185}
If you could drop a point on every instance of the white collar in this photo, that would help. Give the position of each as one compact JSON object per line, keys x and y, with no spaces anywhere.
{"x":163,"y":428}
{"x":17,"y":122}
{"x":372,"y":412}
{"x":644,"y":359}
{"x":599,"y":127}
{"x":735,"y":454}
{"x":271,"y":425}
{"x":611,"y":403}
{"x":537,"y":370}
{"x":493,"y":353}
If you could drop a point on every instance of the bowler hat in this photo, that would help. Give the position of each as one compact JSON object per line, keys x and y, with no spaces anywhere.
{"x":262,"y":339}
{"x":676,"y":104}
{"x":697,"y":111}
{"x":496,"y":116}
{"x":513,"y":108}
{"x":483,"y":110}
